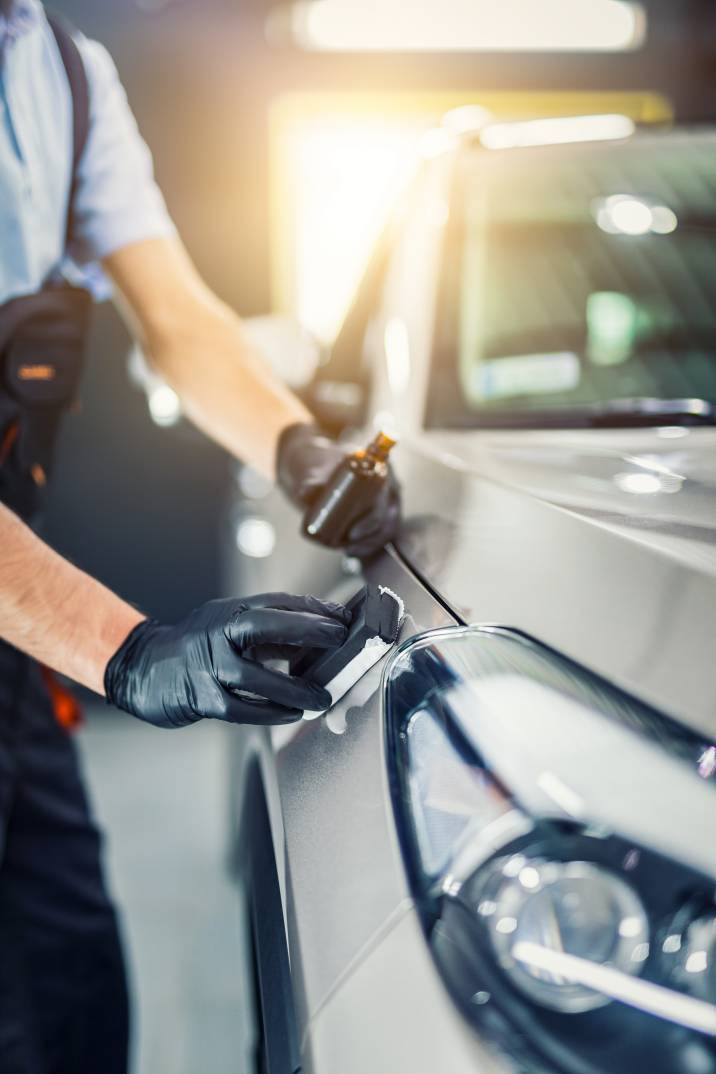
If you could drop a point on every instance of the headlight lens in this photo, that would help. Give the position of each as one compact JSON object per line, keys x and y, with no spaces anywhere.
{"x":560,"y":840}
{"x":574,"y":908}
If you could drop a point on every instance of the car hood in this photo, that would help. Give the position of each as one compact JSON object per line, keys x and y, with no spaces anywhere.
{"x":599,"y":543}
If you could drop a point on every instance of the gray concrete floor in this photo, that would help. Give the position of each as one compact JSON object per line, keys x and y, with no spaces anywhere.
{"x":162,"y":798}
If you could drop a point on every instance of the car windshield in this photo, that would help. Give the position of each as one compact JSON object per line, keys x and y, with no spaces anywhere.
{"x":579,"y":287}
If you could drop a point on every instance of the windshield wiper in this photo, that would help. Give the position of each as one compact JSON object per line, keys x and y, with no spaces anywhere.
{"x":610,"y":414}
{"x":648,"y":411}
{"x":564,"y":337}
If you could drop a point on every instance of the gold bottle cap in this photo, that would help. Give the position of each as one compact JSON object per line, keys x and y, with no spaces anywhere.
{"x":383,"y":443}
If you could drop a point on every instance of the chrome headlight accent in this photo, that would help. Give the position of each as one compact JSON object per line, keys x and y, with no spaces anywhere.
{"x":693,"y":955}
{"x":560,"y":837}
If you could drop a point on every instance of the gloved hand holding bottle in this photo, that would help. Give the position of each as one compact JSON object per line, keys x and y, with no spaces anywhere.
{"x":307,"y":462}
{"x":209,"y":665}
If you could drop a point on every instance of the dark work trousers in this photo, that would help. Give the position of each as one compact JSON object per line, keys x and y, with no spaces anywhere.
{"x":63,"y":995}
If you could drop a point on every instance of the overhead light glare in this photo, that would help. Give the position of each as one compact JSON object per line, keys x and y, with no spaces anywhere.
{"x":255,"y":537}
{"x":626,"y":214}
{"x":638,"y":484}
{"x":558,"y":131}
{"x":164,"y":405}
{"x":467,"y":25}
{"x":664,"y":220}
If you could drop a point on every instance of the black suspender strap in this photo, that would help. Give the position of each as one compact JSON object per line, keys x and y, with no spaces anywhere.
{"x":79,"y":87}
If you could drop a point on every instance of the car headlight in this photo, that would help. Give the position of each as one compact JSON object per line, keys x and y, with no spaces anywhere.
{"x":560,"y":838}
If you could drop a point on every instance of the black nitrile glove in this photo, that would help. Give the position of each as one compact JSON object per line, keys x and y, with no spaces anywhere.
{"x":306,"y":459}
{"x":207,"y":666}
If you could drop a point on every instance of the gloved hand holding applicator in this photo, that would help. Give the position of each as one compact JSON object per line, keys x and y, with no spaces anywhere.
{"x":209,"y":665}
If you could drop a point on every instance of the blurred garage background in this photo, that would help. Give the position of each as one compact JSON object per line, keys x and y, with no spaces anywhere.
{"x":281,"y":134}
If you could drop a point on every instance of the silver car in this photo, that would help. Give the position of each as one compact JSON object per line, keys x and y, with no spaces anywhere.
{"x":498,"y":852}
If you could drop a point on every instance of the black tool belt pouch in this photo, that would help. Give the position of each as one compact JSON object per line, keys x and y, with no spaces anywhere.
{"x":42,"y":348}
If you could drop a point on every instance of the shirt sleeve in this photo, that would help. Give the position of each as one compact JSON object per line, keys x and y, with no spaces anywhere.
{"x":117,"y":200}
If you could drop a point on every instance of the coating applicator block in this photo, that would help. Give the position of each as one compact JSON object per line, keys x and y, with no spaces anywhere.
{"x":376,"y":615}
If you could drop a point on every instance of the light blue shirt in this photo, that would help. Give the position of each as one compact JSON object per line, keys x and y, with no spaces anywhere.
{"x":117,"y":202}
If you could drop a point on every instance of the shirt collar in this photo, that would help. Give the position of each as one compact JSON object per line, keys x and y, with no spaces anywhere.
{"x":23,"y":16}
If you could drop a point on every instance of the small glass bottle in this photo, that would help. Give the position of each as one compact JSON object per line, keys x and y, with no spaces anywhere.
{"x":349,"y":492}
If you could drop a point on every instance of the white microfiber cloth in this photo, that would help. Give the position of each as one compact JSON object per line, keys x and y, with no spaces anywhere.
{"x":376,"y":615}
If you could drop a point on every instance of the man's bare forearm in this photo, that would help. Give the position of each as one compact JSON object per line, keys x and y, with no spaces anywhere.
{"x":55,"y":612}
{"x":199,"y":346}
{"x":227,"y":391}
